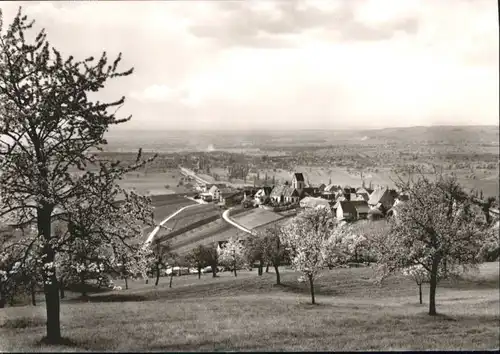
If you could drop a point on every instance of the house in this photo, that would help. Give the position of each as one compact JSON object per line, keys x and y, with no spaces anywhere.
{"x":311,"y":191}
{"x":277,"y":194}
{"x":321,"y":187}
{"x":348,"y":190}
{"x":364,"y":193}
{"x":327,"y":195}
{"x":291,"y":195}
{"x":311,"y":202}
{"x":229,"y":199}
{"x":263,"y":195}
{"x":214,"y":191}
{"x":351,"y":210}
{"x":382,"y":198}
{"x":298,"y":181}
{"x":206,"y":197}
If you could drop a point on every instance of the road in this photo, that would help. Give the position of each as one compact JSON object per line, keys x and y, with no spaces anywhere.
{"x":157,"y":228}
{"x":225,"y":216}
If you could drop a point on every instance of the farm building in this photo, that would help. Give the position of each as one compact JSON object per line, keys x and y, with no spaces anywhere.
{"x":263,"y":195}
{"x":352,"y":210}
{"x":382,"y":198}
{"x":311,"y":202}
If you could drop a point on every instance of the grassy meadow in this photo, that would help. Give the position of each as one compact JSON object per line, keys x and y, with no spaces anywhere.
{"x":251,"y":313}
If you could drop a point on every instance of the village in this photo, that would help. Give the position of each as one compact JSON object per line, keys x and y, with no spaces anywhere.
{"x":347,"y":203}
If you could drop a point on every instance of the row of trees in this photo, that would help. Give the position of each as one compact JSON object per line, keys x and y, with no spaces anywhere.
{"x":440,"y":232}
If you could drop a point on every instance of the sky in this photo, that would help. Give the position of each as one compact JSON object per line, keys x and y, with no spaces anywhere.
{"x":263,"y":64}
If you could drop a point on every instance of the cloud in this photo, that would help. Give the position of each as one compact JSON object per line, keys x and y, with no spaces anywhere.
{"x":257,"y":24}
{"x":288,"y":64}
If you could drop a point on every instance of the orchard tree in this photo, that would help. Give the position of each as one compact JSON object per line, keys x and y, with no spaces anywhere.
{"x":273,"y":249}
{"x":197,"y":258}
{"x":232,"y":254}
{"x":439,"y":228}
{"x":212,"y":257}
{"x":50,"y":125}
{"x":306,"y":236}
{"x":159,"y":256}
{"x":420,"y":275}
{"x":254,"y":251}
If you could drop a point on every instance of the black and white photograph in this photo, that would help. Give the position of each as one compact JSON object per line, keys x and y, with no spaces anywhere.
{"x":249,"y":176}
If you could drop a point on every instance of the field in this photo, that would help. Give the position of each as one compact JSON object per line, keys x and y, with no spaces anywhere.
{"x":153,"y":183}
{"x":251,"y":313}
{"x":209,"y":233}
{"x":256,"y":218}
{"x":188,"y":217}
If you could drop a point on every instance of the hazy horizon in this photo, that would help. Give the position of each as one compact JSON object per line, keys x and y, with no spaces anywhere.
{"x":294,"y":64}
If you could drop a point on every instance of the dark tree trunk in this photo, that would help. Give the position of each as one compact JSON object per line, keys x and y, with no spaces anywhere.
{"x":214,"y":270}
{"x":261,"y":266}
{"x":432,"y":289}
{"x":199,"y":272}
{"x":51,"y":286}
{"x":267,"y":268}
{"x":33,"y":293}
{"x":311,"y":286}
{"x":157,"y":281}
{"x":234,"y":265}
{"x":82,"y":284}
{"x":278,"y":280}
{"x":61,"y":290}
{"x":2,"y":297}
{"x":126,"y":283}
{"x":420,"y":293}
{"x":171,"y":278}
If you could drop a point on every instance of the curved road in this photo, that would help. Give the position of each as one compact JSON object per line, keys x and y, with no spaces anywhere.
{"x":225,"y":216}
{"x":157,"y":228}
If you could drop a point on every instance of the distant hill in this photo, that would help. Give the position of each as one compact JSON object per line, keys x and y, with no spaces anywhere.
{"x":436,"y":134}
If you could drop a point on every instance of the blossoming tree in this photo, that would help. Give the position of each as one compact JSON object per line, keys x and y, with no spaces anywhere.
{"x":307,"y":236}
{"x":439,"y":229}
{"x":232,"y":255}
{"x":50,"y":126}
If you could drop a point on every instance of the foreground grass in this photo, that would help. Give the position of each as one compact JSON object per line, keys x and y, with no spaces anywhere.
{"x":250,"y":313}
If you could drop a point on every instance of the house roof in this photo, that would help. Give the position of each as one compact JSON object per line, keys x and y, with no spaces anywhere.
{"x":299,"y":177}
{"x":311,"y":202}
{"x":290,"y":192}
{"x":267,"y":190}
{"x":347,"y":207}
{"x":213,"y":189}
{"x":376,"y":196}
{"x":278,"y":191}
{"x":361,"y":206}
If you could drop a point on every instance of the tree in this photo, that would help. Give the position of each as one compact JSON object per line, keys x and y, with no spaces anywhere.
{"x":49,"y":125}
{"x":420,"y":275}
{"x":232,"y":254}
{"x":212,"y":257}
{"x":197,"y":258}
{"x":161,"y":252}
{"x":274,"y":250}
{"x":439,"y":228}
{"x":306,"y":237}
{"x":254,"y":251}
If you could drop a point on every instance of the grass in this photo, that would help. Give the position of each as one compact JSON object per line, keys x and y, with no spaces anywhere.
{"x":256,"y":217}
{"x":251,"y":313}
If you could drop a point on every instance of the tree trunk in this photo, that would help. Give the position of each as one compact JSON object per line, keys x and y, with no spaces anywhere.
{"x":157,"y":281}
{"x":278,"y":280}
{"x":199,"y":272}
{"x":311,"y":286}
{"x":214,"y":271}
{"x":234,"y":265}
{"x":2,"y":297}
{"x":432,"y":289}
{"x":61,"y":290}
{"x":171,"y":278}
{"x":420,"y":293}
{"x":126,"y":283}
{"x":82,"y":284}
{"x":261,"y":266}
{"x":51,"y":286}
{"x":267,"y":268}
{"x":33,"y":293}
